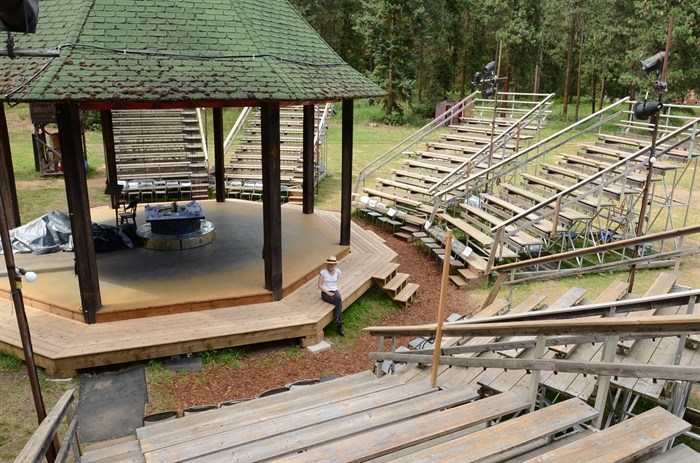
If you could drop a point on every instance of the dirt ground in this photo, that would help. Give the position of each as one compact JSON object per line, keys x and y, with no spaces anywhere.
{"x":270,"y":366}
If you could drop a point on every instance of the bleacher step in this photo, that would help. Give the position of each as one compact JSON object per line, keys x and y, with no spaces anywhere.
{"x":385,"y":273}
{"x":407,"y":294}
{"x":396,"y":284}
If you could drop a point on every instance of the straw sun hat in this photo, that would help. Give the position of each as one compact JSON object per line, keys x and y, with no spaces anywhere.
{"x":331,"y":260}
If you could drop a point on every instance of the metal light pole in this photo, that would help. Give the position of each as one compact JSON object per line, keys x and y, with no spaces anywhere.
{"x":17,"y":300}
{"x":661,"y":88}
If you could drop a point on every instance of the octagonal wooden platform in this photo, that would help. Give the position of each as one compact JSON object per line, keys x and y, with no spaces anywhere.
{"x":163,"y":303}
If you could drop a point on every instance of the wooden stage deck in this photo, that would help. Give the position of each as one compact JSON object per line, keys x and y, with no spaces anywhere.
{"x":195,"y":300}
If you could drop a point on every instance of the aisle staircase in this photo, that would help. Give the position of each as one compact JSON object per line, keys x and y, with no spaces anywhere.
{"x":160,"y":155}
{"x":244,"y":170}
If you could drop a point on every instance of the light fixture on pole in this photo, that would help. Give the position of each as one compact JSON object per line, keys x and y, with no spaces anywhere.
{"x":488,"y":81}
{"x":657,"y":63}
{"x":15,"y":274}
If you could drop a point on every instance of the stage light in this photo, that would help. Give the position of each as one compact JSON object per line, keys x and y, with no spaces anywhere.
{"x":28,"y":275}
{"x":489,"y":92}
{"x":489,"y":68}
{"x":476,"y":81}
{"x":653,"y":63}
{"x":647,"y":109}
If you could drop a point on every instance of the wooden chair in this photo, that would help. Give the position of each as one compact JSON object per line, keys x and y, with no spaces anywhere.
{"x":128,"y":212}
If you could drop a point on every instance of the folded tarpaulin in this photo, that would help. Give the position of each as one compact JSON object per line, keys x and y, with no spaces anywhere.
{"x":49,"y":233}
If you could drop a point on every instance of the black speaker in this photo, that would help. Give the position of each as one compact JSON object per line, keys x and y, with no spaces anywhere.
{"x":19,"y":15}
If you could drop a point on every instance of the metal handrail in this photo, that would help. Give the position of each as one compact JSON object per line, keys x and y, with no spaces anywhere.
{"x":202,"y":134}
{"x":504,"y":137}
{"x":416,"y":137}
{"x":233,"y":133}
{"x":595,"y":176}
{"x":486,"y":172}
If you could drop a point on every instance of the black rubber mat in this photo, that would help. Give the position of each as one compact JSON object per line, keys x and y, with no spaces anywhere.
{"x":111,"y":405}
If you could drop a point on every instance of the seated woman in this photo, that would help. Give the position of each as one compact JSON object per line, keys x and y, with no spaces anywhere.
{"x":328,"y":284}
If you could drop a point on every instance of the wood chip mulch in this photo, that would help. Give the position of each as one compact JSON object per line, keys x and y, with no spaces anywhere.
{"x":273,"y":365}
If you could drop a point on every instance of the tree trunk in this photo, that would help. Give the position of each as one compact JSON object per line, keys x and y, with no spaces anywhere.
{"x":602,"y":92}
{"x":578,"y":76}
{"x":567,"y":74}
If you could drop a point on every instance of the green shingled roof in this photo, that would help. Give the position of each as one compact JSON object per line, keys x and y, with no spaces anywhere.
{"x":168,"y":52}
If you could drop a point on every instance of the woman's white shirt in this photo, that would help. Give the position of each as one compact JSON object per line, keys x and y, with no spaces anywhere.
{"x":330,"y":282}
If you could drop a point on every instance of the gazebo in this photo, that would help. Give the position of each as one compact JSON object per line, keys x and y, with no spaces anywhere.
{"x":110,"y":54}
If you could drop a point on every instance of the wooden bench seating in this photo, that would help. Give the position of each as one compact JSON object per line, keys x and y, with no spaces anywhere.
{"x":589,"y":204}
{"x":613,"y":191}
{"x":568,"y":215}
{"x":221,"y":433}
{"x":508,"y":436}
{"x":427,"y":180}
{"x":370,"y":444}
{"x":519,"y":239}
{"x":678,"y":454}
{"x":410,"y":188}
{"x":544,"y":227}
{"x":445,"y":146}
{"x":426,"y":165}
{"x":660,"y":167}
{"x":596,"y":165}
{"x":621,"y":442}
{"x":442,"y":156}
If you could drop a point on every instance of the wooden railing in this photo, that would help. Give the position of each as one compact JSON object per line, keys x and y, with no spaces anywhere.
{"x":38,"y":445}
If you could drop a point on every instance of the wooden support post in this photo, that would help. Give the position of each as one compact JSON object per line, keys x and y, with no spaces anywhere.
{"x":496,"y":288}
{"x":555,"y":218}
{"x":494,"y":249}
{"x":110,"y":153}
{"x":8,"y":189}
{"x":535,"y":374}
{"x":603,"y":386}
{"x":380,"y":348}
{"x":272,"y":210}
{"x":309,"y":180}
{"x":441,"y":308}
{"x":69,"y":129}
{"x":219,"y":155}
{"x":346,"y":174}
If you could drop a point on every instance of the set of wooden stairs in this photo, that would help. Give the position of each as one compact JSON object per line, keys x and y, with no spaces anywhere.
{"x":396,"y":284}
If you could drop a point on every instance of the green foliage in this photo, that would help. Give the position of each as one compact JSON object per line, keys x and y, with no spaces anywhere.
{"x":92,"y":120}
{"x":229,"y":356}
{"x":10,"y":363}
{"x":366,"y":311}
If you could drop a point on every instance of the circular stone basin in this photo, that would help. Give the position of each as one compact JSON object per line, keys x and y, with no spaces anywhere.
{"x":178,"y":241}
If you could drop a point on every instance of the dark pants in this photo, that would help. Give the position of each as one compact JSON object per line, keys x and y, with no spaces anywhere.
{"x":337,"y":302}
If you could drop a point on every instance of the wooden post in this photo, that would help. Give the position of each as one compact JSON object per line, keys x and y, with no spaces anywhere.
{"x":535,"y":378}
{"x":272,"y":210}
{"x":110,"y":153}
{"x":346,"y":174}
{"x":441,"y":308}
{"x":8,"y":189}
{"x":380,"y":348}
{"x":604,"y":380}
{"x":555,"y":219}
{"x":494,"y":250}
{"x":309,"y":181}
{"x":496,"y":288}
{"x":219,"y":154}
{"x":69,"y":128}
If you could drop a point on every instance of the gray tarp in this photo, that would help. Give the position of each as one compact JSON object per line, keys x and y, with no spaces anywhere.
{"x":49,"y":233}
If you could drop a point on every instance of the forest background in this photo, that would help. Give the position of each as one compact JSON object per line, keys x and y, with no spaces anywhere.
{"x":586,"y":51}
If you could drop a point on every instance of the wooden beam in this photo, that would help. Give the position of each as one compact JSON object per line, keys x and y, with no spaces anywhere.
{"x":309,"y":161}
{"x":632,"y":370}
{"x":110,"y":153}
{"x":272,"y":204}
{"x":582,"y":326}
{"x":69,"y":129}
{"x":219,"y":154}
{"x":346,"y":174}
{"x":8,"y":189}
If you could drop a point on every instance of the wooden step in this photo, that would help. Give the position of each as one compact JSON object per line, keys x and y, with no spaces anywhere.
{"x":403,"y":236}
{"x":460,"y":282}
{"x":407,"y":293}
{"x":385,"y":273}
{"x":396,"y":284}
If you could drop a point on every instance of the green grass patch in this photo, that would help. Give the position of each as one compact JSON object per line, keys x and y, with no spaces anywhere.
{"x":10,"y":363}
{"x":366,"y":311}
{"x":229,"y":356}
